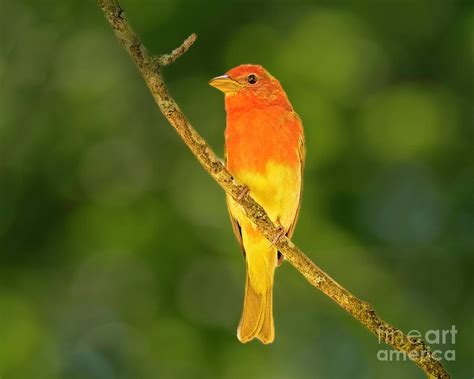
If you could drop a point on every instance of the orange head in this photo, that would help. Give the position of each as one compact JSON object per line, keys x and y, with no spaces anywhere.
{"x":250,"y":85}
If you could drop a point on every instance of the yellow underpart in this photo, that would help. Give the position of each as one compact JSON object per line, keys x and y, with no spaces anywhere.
{"x":278,"y":191}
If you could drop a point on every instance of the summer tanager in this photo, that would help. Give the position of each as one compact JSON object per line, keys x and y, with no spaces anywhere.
{"x":265,"y":151}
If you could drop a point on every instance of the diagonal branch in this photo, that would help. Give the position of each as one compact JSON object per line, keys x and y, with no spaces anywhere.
{"x":150,"y":68}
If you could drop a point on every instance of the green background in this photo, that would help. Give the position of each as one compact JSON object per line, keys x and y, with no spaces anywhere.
{"x":117,"y":259}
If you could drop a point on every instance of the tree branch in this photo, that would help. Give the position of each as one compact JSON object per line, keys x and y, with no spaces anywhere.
{"x":150,"y":68}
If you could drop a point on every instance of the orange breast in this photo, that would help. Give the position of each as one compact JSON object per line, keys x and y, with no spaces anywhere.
{"x":255,"y":136}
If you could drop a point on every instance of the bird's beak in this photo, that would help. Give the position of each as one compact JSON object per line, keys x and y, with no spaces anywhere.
{"x":225,"y":84}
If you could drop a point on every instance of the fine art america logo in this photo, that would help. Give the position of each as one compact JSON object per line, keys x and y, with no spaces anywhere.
{"x":444,"y":340}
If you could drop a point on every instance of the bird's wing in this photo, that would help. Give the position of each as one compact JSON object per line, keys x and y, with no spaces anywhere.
{"x":235,"y":224}
{"x":236,"y":228}
{"x":302,"y":154}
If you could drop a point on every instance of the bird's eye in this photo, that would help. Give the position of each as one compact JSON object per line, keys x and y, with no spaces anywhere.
{"x":252,"y":79}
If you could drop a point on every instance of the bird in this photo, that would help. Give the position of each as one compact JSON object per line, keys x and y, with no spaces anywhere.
{"x":264,"y":151}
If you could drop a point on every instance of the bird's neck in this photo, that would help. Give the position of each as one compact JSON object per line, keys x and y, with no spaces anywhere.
{"x":245,"y":100}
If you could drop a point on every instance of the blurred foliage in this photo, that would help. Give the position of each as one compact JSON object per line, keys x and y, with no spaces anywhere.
{"x":116,"y":256}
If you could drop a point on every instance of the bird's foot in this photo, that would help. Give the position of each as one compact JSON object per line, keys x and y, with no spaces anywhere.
{"x":245,"y":191}
{"x":281,"y":233}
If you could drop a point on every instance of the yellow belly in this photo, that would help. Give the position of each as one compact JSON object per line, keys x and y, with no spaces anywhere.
{"x":277,"y":190}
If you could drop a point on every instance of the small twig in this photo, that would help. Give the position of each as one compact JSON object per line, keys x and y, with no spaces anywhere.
{"x":166,"y":59}
{"x":149,"y":67}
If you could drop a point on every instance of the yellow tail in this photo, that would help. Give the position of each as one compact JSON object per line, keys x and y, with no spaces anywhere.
{"x":257,"y":315}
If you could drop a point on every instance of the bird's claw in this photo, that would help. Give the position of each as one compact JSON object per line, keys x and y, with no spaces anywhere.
{"x":279,"y":236}
{"x":245,"y":191}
